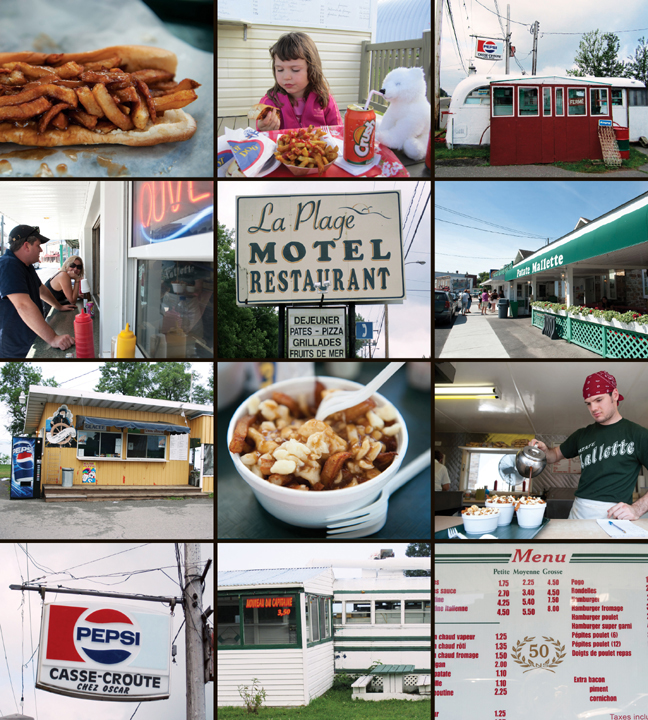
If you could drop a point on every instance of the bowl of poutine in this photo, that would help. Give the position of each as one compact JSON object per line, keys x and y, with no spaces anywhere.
{"x":299,"y":500}
{"x":480,"y":519}
{"x":506,"y":505}
{"x":304,"y":152}
{"x":530,"y":511}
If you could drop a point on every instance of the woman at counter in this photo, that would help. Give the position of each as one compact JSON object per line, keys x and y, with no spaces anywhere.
{"x":61,"y":286}
{"x":611,"y":450}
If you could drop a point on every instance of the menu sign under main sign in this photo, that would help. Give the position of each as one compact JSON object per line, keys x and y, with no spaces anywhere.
{"x":316,"y":333}
{"x":545,"y":631}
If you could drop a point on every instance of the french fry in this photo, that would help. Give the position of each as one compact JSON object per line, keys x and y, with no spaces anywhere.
{"x":174,"y":101}
{"x":107,"y":104}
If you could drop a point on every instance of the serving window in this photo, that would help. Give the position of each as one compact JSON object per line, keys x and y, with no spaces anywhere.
{"x":599,"y":101}
{"x":149,"y":447}
{"x":270,"y":621}
{"x":95,"y":444}
{"x":528,"y":101}
{"x":502,"y":101}
{"x":576,"y":101}
{"x":175,"y":308}
{"x":559,"y":102}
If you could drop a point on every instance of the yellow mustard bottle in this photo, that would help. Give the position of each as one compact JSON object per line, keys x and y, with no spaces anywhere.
{"x":126,"y":343}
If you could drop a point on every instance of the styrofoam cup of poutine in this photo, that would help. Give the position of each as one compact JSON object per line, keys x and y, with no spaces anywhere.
{"x":479,"y":524}
{"x":505,"y":512}
{"x":529,"y":516}
{"x":313,"y":509}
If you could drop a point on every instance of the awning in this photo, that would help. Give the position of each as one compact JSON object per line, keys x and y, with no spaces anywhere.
{"x":84,"y":422}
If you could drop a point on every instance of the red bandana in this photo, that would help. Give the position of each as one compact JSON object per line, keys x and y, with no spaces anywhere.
{"x":599,"y":383}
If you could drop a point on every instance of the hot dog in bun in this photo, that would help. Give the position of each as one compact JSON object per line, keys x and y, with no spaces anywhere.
{"x":122,"y":95}
{"x":260,"y":111}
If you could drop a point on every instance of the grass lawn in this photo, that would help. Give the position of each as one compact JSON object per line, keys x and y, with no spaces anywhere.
{"x":337,"y":705}
{"x":5,"y":471}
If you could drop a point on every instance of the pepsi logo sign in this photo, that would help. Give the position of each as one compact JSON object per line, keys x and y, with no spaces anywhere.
{"x":107,"y":636}
{"x":490,"y":47}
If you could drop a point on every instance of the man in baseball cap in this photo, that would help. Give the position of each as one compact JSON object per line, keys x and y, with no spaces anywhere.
{"x":21,"y":292}
{"x":611,"y":450}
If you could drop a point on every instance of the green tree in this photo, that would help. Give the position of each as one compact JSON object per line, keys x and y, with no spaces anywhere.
{"x":637,"y":66}
{"x":125,"y":378}
{"x":204,"y":395}
{"x":243,"y":332}
{"x":597,"y":55}
{"x":418,"y":550}
{"x":482,"y":277}
{"x":15,"y":378}
{"x":170,"y":381}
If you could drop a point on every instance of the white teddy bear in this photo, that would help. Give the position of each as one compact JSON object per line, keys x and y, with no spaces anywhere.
{"x":406,"y":124}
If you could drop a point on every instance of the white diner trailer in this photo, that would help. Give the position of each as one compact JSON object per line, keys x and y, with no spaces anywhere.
{"x":294,"y":628}
{"x":468,"y":117}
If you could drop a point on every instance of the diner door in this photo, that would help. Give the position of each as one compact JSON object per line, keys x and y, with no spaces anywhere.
{"x":548,"y":152}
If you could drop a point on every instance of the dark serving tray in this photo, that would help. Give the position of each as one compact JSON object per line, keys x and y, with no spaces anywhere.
{"x":503,"y":532}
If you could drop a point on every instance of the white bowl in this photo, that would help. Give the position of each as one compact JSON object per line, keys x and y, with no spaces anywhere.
{"x":505,"y":512}
{"x":480,"y":523}
{"x":313,"y":509}
{"x":178,"y":287}
{"x":530,"y":516}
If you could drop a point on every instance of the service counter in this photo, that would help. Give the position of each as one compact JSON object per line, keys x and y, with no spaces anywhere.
{"x":554,"y":530}
{"x":63,"y":324}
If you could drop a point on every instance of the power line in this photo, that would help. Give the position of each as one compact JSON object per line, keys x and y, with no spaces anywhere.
{"x":503,"y":257}
{"x":485,"y":222}
{"x":498,"y":15}
{"x":80,"y":376}
{"x":8,"y":671}
{"x":454,"y":32}
{"x":419,"y":222}
{"x":493,"y":232}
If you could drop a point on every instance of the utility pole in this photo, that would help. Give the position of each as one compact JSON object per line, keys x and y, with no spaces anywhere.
{"x":437,"y":61}
{"x":194,"y":633}
{"x":386,"y":330}
{"x":508,"y":37}
{"x":535,"y":29}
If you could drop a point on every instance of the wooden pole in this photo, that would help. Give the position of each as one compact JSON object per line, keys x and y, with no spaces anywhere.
{"x":282,"y":330}
{"x":437,"y":62}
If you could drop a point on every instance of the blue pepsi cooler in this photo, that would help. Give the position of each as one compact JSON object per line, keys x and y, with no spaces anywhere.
{"x":25,"y":467}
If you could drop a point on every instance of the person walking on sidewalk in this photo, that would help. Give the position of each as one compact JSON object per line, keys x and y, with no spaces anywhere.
{"x":493,"y":301}
{"x":484,"y":302}
{"x":465,"y":297}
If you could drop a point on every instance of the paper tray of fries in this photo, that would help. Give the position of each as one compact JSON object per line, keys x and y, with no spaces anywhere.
{"x":306,"y":151}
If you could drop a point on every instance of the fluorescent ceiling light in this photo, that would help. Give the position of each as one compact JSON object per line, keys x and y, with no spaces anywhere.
{"x":458,"y":392}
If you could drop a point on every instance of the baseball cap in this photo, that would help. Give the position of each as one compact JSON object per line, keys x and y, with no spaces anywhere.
{"x":22,"y":232}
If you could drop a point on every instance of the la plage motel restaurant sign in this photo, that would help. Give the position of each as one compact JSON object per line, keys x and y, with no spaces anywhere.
{"x":104,"y":652}
{"x":287,"y":245}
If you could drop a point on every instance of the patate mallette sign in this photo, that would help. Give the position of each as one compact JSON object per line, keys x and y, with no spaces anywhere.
{"x":104,"y":652}
{"x":289,"y":248}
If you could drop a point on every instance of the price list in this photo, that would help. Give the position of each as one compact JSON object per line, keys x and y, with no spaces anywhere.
{"x":552,"y":631}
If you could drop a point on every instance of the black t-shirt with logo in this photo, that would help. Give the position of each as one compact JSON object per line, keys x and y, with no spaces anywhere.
{"x":611,"y":458}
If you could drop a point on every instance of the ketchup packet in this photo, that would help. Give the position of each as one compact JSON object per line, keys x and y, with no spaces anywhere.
{"x":252,"y":151}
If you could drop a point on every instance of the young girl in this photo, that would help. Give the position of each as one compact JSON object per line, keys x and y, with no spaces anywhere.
{"x":300,"y":91}
{"x":61,"y":283}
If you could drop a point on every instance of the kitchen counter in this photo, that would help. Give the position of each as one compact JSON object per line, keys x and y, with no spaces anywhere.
{"x":63,"y":324}
{"x":555,"y":530}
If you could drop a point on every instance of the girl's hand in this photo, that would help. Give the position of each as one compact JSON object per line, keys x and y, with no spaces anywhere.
{"x":269,"y":122}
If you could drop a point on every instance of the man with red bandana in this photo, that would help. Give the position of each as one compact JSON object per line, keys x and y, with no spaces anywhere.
{"x":611,"y":450}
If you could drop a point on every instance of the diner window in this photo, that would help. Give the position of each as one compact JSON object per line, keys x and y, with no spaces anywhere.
{"x":483,"y":471}
{"x":546,"y":95}
{"x":269,"y":625}
{"x":417,"y":612}
{"x":559,"y":102}
{"x":327,"y":617}
{"x":175,"y":309}
{"x":337,"y":612}
{"x":228,"y":631}
{"x":150,"y":447}
{"x":599,"y":101}
{"x":358,"y":612}
{"x":527,"y":101}
{"x":313,"y":615}
{"x":479,"y":96}
{"x":637,"y":97}
{"x":617,"y":97}
{"x":92,"y":444}
{"x":388,"y":612}
{"x":502,"y":101}
{"x":576,"y":101}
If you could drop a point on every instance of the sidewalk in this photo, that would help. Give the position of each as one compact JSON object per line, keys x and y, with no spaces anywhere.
{"x":473,"y":337}
{"x":477,"y":337}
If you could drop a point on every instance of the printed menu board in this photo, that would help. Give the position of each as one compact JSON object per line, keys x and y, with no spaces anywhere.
{"x":544,"y":631}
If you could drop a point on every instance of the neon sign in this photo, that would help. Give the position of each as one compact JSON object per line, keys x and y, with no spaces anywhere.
{"x":275,"y":602}
{"x":168,"y":210}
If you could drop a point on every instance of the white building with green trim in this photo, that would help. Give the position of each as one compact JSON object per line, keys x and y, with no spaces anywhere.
{"x":294,"y":628}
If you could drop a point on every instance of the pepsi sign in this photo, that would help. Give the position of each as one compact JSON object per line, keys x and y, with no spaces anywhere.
{"x":489,"y":49}
{"x":104,"y":652}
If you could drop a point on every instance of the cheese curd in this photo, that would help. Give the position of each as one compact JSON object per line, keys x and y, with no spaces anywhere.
{"x":281,"y":441}
{"x":529,"y":501}
{"x":502,"y":500}
{"x":476,"y":511}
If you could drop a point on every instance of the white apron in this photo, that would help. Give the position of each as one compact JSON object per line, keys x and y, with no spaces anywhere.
{"x":583,"y":509}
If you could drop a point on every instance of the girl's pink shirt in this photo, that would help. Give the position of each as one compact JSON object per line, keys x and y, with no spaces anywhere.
{"x":313,"y":113}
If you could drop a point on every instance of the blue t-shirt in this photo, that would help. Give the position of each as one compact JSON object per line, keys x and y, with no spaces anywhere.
{"x":15,"y":277}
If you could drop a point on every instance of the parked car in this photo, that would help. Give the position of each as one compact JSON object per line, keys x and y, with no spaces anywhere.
{"x":445,"y":306}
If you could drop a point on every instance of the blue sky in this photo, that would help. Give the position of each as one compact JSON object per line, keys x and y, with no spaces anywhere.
{"x":550,"y":209}
{"x":556,"y":52}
